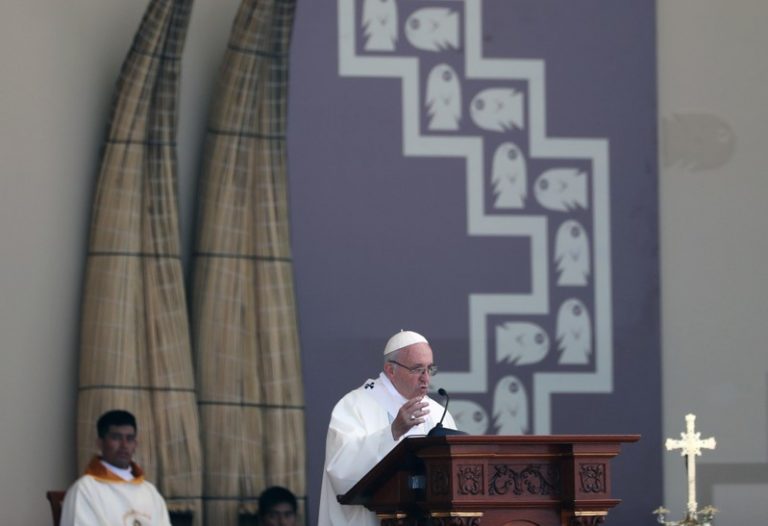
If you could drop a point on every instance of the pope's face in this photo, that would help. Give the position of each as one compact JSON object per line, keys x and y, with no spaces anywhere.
{"x":118,"y":445}
{"x":411,"y":384}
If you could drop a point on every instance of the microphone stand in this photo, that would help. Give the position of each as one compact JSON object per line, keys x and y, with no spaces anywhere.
{"x":439,"y":430}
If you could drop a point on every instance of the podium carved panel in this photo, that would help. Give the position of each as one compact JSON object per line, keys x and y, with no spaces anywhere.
{"x":592,"y":477}
{"x":470,"y":479}
{"x":440,"y":480}
{"x":532,"y":479}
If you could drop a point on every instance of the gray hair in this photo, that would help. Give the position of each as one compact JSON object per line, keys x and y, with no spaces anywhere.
{"x":393,"y":356}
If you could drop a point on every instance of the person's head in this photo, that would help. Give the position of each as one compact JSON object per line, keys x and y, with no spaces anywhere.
{"x":277,"y":507}
{"x":408,"y":363}
{"x":117,"y":437}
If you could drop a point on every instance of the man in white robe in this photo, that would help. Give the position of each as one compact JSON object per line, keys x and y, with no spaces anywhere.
{"x":369,"y":421}
{"x":113,"y":490}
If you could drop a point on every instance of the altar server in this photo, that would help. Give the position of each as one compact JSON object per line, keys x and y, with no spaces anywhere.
{"x":113,"y":490}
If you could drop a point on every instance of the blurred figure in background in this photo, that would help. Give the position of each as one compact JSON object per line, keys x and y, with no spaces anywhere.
{"x":277,"y":507}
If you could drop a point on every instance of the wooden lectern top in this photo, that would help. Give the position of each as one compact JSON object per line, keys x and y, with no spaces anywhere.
{"x":487,"y":480}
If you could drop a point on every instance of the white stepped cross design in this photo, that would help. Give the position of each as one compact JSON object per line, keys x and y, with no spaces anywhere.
{"x":690,"y":445}
{"x":404,"y":64}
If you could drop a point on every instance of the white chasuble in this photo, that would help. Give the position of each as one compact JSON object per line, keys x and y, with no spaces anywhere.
{"x":101,"y":498}
{"x":359,"y":436}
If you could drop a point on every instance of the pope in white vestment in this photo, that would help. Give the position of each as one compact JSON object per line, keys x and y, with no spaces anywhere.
{"x":102,"y":498}
{"x":371,"y":420}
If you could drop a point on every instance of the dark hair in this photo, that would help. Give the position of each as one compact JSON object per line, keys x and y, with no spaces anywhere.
{"x":273,"y":496}
{"x":116,"y":417}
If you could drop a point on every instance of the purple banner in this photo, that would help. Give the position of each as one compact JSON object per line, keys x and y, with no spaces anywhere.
{"x":483,"y":172}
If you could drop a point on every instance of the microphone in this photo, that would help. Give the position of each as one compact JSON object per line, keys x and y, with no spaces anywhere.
{"x":439,"y":430}
{"x":444,"y":393}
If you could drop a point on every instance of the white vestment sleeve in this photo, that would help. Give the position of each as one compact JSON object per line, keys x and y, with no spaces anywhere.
{"x":359,"y":436}
{"x":163,"y":517}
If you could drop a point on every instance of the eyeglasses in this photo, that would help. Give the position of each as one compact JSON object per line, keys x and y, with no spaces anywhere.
{"x":431,"y":369}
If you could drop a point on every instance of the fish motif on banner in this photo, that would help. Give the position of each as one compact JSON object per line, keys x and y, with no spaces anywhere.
{"x":572,"y":254}
{"x":521,"y":182}
{"x":498,"y":109}
{"x":443,"y":98}
{"x":509,"y":176}
{"x":380,"y":23}
{"x":433,"y":29}
{"x":521,"y":343}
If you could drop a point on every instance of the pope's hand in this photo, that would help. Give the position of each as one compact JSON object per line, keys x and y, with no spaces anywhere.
{"x":411,"y":414}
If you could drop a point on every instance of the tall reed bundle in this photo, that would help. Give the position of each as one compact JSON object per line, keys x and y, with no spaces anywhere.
{"x":135,"y":349}
{"x":244,"y":323}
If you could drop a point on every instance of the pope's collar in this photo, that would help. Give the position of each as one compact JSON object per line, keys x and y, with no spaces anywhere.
{"x":393,"y":392}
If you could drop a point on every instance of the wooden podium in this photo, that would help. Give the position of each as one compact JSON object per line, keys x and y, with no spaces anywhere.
{"x":558,"y":480}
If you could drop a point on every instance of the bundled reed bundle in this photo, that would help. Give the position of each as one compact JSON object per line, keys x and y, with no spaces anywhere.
{"x":135,"y":349}
{"x":245,"y":336}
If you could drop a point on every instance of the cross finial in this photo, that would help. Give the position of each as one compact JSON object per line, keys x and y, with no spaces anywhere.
{"x":690,"y":446}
